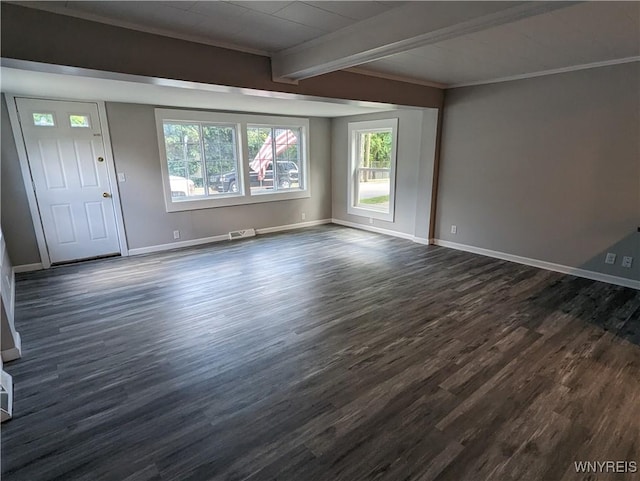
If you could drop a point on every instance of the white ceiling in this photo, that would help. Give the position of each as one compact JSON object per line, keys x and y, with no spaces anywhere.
{"x":81,"y":84}
{"x":258,"y":26}
{"x":442,"y":43}
{"x":582,"y":34}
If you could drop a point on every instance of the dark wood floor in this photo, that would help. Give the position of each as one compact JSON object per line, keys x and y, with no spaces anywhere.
{"x":324,"y":354}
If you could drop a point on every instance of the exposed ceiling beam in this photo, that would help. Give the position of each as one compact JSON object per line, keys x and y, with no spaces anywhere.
{"x":398,"y":30}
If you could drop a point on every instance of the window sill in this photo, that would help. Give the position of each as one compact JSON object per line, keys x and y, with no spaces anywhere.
{"x":228,"y":201}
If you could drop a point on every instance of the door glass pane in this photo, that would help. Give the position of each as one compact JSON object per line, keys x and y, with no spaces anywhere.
{"x":43,"y":120}
{"x":79,"y":121}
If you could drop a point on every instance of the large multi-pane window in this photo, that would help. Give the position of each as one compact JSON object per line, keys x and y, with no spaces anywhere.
{"x":212,"y":159}
{"x":372,"y":165}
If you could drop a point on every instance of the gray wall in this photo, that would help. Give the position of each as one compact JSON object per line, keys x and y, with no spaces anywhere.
{"x":40,"y":36}
{"x":414,"y":170}
{"x":16,"y":218}
{"x":546,"y":168}
{"x":135,"y":148}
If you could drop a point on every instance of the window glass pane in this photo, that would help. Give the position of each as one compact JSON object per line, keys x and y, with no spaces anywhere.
{"x":260,"y":159}
{"x":283,"y":144}
{"x":182,"y":143}
{"x":43,"y":120}
{"x":288,"y":163}
{"x":221,"y":159}
{"x":79,"y":120}
{"x":373,"y":170}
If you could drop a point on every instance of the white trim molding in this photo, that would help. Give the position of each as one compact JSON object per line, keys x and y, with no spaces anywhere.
{"x":371,"y":228}
{"x":299,"y":225}
{"x":220,"y":238}
{"x":36,"y":266}
{"x":240,"y":123}
{"x":113,"y":178}
{"x":355,"y":130}
{"x":380,"y":230}
{"x":178,"y":245}
{"x":14,"y":120}
{"x":550,"y":266}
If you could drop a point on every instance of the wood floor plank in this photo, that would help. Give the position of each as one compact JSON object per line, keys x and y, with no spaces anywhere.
{"x":321,"y":354}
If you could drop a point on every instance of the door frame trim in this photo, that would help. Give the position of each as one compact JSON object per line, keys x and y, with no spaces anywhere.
{"x":28,"y":183}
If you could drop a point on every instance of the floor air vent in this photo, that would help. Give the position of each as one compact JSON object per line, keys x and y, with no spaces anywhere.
{"x":239,"y":234}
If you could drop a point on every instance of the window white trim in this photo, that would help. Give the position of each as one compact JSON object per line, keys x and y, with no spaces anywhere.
{"x":241,"y":121}
{"x":355,"y":128}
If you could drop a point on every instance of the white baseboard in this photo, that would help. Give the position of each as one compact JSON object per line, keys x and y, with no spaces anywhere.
{"x":422,"y":240}
{"x":550,"y":266}
{"x":37,"y":266}
{"x":371,"y":228}
{"x":380,"y":230}
{"x":178,"y":245}
{"x":299,"y":225}
{"x":219,"y":238}
{"x":15,"y":352}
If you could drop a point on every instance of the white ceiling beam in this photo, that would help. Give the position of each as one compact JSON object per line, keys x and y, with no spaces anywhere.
{"x":398,"y":30}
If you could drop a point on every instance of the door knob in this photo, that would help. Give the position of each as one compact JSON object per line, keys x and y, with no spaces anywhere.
{"x":100,"y":159}
{"x":106,"y":195}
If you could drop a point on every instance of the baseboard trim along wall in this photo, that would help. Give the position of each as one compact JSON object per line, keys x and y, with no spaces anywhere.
{"x":299,"y":225}
{"x":219,"y":238}
{"x":380,"y":230}
{"x":28,"y":268}
{"x":550,"y":266}
{"x":574,"y":271}
{"x":371,"y":228}
{"x":178,"y":245}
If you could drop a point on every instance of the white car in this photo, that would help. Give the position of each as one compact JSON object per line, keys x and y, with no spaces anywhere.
{"x":181,"y":187}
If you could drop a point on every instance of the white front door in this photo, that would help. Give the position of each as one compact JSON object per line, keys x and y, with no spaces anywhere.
{"x":70,"y":177}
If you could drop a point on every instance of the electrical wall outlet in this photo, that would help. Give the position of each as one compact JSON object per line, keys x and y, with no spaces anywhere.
{"x":610,"y":259}
{"x":627,"y":261}
{"x":370,"y":220}
{"x":121,"y":177}
{"x":454,"y":229}
{"x":304,"y":216}
{"x":176,"y":234}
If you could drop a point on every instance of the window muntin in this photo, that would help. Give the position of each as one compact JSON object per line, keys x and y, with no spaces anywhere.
{"x":372,"y":166}
{"x":282,"y":143}
{"x":230,"y":180}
